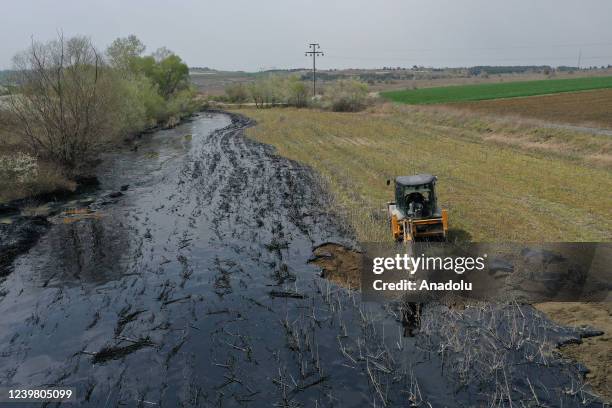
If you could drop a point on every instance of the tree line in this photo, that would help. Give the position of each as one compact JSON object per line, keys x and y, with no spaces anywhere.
{"x":68,"y":100}
{"x":344,"y":95}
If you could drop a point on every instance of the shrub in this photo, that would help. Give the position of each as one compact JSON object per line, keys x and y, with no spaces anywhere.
{"x":346,"y":95}
{"x":63,"y":103}
{"x":139,"y":105}
{"x":181,"y":104}
{"x":18,"y":168}
{"x":270,"y":91}
{"x":236,"y":93}
{"x":267,"y":91}
{"x":24,"y":175}
{"x":296,"y":92}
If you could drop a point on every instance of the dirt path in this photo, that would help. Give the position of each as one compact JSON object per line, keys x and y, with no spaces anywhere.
{"x":583,"y":129}
{"x":192,"y":288}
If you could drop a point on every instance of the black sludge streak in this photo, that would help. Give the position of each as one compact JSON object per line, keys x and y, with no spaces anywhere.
{"x":193,"y":289}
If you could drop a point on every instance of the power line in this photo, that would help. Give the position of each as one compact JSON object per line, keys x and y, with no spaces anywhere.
{"x":313,"y":51}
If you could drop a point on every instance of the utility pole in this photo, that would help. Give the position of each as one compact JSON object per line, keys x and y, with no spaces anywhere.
{"x":313,"y":51}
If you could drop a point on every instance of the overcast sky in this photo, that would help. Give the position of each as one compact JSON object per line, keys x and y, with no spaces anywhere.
{"x":255,"y":34}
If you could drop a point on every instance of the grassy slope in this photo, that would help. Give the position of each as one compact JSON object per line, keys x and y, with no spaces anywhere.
{"x":478,"y":92}
{"x":493,"y":191}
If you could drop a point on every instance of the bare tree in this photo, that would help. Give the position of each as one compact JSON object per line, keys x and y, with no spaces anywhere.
{"x":62,"y":100}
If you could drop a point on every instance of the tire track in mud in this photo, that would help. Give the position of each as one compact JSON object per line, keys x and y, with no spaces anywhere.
{"x":194,"y":290}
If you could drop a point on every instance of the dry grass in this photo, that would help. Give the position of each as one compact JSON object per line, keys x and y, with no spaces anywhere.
{"x":529,"y":135}
{"x":589,"y":108}
{"x":50,"y":177}
{"x":496,"y":183}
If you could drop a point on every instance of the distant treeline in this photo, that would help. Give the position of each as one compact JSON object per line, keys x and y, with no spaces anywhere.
{"x":510,"y":69}
{"x":4,"y":74}
{"x":4,"y":79}
{"x":388,"y":74}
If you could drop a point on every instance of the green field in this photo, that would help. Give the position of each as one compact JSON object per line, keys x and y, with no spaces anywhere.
{"x":480,"y":92}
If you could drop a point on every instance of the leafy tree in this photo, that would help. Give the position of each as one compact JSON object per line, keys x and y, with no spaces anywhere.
{"x":169,"y":75}
{"x":144,"y":66}
{"x":123,"y":51}
{"x":139,"y":104}
{"x":182,"y":103}
{"x":257,"y":93}
{"x":172,"y":75}
{"x":297,"y":92}
{"x":266,"y":91}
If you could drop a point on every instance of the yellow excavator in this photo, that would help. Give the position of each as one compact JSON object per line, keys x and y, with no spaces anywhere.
{"x":415,"y":213}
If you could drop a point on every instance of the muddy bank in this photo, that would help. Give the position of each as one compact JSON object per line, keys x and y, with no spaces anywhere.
{"x":24,"y":220}
{"x":338,"y":264}
{"x":193,"y":288}
{"x":593,"y":352}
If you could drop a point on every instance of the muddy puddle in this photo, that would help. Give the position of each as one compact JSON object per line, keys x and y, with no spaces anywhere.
{"x":193,"y":288}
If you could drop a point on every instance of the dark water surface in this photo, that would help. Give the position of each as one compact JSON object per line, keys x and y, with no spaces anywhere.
{"x":192,"y":289}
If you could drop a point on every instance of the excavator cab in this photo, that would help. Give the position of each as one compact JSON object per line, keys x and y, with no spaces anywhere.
{"x":415,"y":214}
